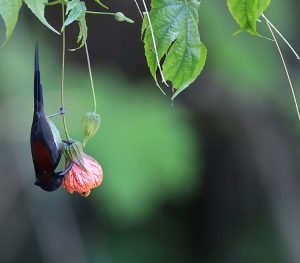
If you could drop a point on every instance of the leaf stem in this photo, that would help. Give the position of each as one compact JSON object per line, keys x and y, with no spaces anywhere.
{"x":101,"y":4}
{"x":138,"y":7}
{"x":100,"y":13}
{"x":283,"y":38}
{"x":63,"y":73}
{"x":90,"y":68}
{"x":154,"y":45}
{"x":53,"y":3}
{"x":285,"y":66}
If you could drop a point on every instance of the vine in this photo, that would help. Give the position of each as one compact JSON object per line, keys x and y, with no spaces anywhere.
{"x":172,"y":43}
{"x":63,"y":75}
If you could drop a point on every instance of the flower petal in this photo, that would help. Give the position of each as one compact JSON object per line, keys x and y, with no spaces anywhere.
{"x":83,"y":180}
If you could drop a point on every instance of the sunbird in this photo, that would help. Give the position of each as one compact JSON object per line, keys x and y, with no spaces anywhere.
{"x":46,"y":144}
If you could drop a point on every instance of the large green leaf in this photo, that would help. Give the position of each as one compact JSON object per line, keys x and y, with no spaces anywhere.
{"x":38,"y":8}
{"x":9,"y":11}
{"x":246,"y":12}
{"x":175,"y":26}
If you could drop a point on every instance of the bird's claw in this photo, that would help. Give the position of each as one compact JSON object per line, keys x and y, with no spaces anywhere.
{"x":62,"y":110}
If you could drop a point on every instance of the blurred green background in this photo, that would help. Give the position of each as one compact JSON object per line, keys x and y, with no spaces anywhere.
{"x":213,"y":178}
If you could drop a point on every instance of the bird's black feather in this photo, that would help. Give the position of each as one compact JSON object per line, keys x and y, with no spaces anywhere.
{"x":45,"y":148}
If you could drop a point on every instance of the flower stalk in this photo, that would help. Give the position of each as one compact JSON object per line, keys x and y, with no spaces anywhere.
{"x":63,"y":73}
{"x":284,"y":65}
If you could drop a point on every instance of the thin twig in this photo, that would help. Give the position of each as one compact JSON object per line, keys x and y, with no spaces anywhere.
{"x":100,"y":13}
{"x":283,"y":38}
{"x":90,"y":68}
{"x":285,"y":67}
{"x":154,"y":45}
{"x":63,"y":72}
{"x":138,"y":7}
{"x":91,"y":76}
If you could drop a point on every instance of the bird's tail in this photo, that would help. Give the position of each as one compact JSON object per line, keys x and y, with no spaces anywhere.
{"x":38,"y":91}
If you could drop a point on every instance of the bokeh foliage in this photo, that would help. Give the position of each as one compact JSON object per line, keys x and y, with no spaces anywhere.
{"x":151,"y":152}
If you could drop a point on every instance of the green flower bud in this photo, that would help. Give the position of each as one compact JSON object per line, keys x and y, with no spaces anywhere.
{"x":73,"y":152}
{"x":119,"y":16}
{"x":91,"y":123}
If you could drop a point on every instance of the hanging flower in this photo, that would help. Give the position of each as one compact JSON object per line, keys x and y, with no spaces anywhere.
{"x":85,"y":174}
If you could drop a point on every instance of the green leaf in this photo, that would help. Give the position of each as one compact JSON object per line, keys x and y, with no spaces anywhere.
{"x":75,"y":10}
{"x":9,"y":11}
{"x":38,"y":8}
{"x":83,"y":31}
{"x":247,"y":12}
{"x":175,"y":26}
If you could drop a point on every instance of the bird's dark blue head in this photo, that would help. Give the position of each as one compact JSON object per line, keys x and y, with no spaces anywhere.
{"x":51,"y":184}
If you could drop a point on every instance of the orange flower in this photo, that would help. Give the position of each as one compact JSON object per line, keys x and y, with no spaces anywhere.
{"x":82,"y":180}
